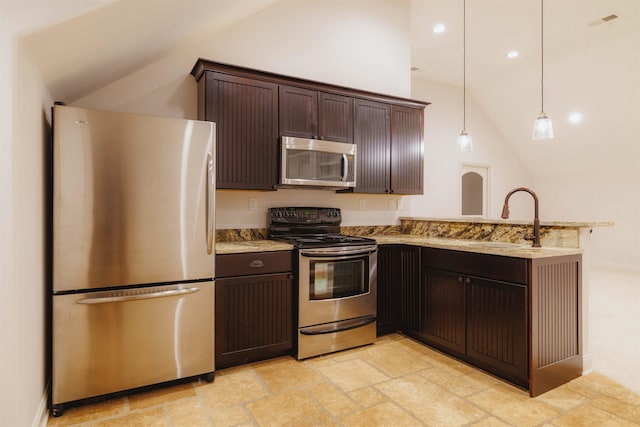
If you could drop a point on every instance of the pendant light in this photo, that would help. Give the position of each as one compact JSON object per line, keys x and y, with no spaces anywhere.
{"x":464,"y":139}
{"x":542,"y":127}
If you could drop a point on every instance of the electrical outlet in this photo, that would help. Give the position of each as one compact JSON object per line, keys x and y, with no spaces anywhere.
{"x":363,"y":204}
{"x":253,"y":204}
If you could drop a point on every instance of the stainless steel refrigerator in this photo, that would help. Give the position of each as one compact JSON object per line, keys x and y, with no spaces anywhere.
{"x":133,"y":252}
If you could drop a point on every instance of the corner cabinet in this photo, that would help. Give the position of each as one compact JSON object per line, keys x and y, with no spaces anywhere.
{"x":253,"y":307}
{"x":252,"y":109}
{"x":407,"y":151}
{"x":514,"y":317}
{"x":390,"y":148}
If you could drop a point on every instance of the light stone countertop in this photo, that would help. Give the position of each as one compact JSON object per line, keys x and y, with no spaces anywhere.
{"x":249,"y":246}
{"x":483,"y":247}
{"x":569,"y":224}
{"x":477,"y":246}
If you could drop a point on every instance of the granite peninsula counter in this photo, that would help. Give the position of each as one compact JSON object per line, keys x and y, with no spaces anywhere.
{"x":495,"y":237}
{"x":491,"y":248}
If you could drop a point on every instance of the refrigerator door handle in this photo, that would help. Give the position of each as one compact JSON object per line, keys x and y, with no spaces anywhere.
{"x":211,"y":185}
{"x":136,"y":296}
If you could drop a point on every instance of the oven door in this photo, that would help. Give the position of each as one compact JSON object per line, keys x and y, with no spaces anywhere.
{"x":337,"y":283}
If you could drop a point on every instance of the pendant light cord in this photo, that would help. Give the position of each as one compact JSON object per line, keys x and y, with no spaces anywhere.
{"x":542,"y":54}
{"x":464,"y":65}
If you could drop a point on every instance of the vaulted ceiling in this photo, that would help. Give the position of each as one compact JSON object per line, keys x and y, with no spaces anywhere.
{"x":590,"y":66}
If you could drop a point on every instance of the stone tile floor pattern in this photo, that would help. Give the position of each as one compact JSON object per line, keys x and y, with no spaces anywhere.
{"x":394,"y":382}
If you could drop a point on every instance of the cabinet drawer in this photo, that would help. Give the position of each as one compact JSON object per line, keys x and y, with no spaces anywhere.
{"x":247,"y":264}
{"x":494,"y":267}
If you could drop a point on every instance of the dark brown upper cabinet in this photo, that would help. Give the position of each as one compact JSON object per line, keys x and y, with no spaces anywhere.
{"x":246,"y":115}
{"x":407,"y":152}
{"x":253,"y":108}
{"x":390,"y":151}
{"x":318,"y":115}
{"x":372,"y":136}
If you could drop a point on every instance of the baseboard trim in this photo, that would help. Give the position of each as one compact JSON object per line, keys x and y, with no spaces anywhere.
{"x":587,"y":364}
{"x":42,"y":413}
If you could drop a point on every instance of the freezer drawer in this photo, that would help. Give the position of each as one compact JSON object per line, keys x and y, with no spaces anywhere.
{"x":105,"y":342}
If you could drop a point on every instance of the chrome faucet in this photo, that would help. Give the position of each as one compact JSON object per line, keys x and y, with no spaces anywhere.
{"x":536,"y":218}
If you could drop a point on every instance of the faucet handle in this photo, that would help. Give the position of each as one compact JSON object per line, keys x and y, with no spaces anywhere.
{"x":532,"y":237}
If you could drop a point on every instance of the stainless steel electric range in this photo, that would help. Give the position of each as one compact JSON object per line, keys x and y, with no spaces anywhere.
{"x":336,"y":277}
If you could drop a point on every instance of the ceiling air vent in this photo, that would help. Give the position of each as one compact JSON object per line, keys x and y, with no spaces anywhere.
{"x":603,"y":20}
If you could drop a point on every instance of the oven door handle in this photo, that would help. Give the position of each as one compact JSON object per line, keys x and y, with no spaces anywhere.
{"x":339,"y":326}
{"x":337,"y":253}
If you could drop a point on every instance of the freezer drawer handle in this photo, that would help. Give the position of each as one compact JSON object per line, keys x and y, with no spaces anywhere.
{"x":133,"y":297}
{"x":210,"y":207}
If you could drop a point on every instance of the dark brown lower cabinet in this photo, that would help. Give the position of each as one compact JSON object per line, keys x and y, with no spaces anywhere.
{"x":443,"y":310}
{"x":253,"y":312}
{"x":387,"y":294}
{"x":398,"y":288}
{"x":496,"y":327}
{"x":516,"y":318}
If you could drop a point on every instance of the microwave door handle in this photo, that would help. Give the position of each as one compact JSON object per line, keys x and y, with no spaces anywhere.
{"x":345,"y":167}
{"x":210,"y":187}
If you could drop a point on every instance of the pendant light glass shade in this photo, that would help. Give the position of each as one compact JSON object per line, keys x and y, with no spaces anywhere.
{"x":542,"y":127}
{"x":464,"y":142}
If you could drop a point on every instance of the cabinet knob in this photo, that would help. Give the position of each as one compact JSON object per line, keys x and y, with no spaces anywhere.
{"x":467,"y":280}
{"x":256,"y":263}
{"x":460,"y":279}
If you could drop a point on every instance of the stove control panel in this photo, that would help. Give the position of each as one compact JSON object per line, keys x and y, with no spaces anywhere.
{"x":305,"y":215}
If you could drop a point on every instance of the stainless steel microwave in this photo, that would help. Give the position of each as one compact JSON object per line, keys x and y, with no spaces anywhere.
{"x":319,"y":163}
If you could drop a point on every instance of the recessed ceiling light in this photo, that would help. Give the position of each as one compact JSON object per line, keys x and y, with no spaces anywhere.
{"x":575,"y":118}
{"x":439,"y":28}
{"x":513,"y":54}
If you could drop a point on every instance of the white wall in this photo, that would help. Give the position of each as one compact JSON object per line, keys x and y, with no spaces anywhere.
{"x":443,"y":123}
{"x":279,"y":39}
{"x":32,"y":134}
{"x":338,"y":54}
{"x":7,"y":289}
{"x":24,"y":104}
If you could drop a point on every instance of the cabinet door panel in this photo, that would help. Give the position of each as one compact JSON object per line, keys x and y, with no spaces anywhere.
{"x":408,"y":266}
{"x":387,"y":292}
{"x":298,"y":112}
{"x":253,"y":318}
{"x":335,"y":117}
{"x":407,"y":129}
{"x":398,"y":289}
{"x":497,"y":326}
{"x":443,"y":310}
{"x":372,"y":135}
{"x":246,"y":116}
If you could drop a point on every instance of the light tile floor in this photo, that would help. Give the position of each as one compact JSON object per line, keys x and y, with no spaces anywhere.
{"x":394,"y":382}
